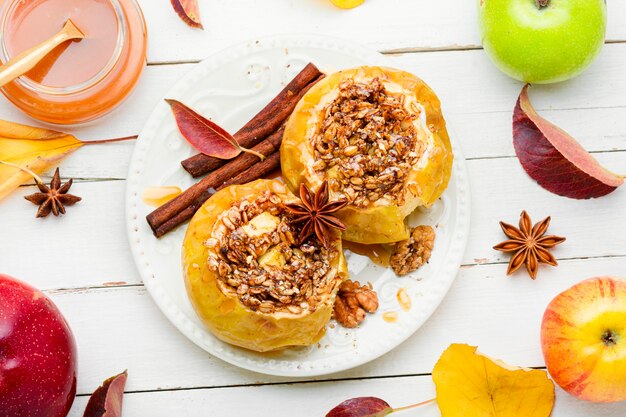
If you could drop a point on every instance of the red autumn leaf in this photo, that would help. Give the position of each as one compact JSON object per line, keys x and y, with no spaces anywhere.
{"x":554,"y":159}
{"x":188,"y":11}
{"x":204,"y":135}
{"x":106,"y":401}
{"x":361,"y":407}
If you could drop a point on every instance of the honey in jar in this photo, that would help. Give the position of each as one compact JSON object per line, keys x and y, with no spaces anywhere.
{"x":79,"y":80}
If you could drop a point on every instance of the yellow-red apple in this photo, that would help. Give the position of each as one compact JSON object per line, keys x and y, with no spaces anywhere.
{"x":583,"y":337}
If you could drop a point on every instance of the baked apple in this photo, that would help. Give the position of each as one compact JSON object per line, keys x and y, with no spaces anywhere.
{"x":378,"y":137}
{"x":251,"y":278}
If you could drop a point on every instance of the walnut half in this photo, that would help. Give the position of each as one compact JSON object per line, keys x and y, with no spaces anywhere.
{"x":353,"y":301}
{"x":414,"y":252}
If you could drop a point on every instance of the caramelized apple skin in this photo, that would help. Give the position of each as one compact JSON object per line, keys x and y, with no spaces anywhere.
{"x":425,"y":182}
{"x":224,"y":315}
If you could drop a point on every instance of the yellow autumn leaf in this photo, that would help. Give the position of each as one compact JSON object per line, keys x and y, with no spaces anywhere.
{"x":32,"y":148}
{"x":470,"y":384}
{"x":347,"y":4}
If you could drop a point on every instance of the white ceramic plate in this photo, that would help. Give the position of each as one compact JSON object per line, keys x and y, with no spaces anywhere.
{"x":230,"y":87}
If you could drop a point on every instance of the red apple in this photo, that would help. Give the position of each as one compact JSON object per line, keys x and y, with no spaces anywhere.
{"x":583,"y":337}
{"x":37,"y":354}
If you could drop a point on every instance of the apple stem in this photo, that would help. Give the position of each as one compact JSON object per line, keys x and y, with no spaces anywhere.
{"x":408,"y":407}
{"x":609,"y":338}
{"x":542,"y":3}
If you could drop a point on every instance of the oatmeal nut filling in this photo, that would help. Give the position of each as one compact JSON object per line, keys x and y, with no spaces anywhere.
{"x":414,"y":252}
{"x":255,"y":253}
{"x":367,"y":140}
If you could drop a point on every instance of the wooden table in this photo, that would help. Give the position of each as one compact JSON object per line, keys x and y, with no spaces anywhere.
{"x":84,"y":263}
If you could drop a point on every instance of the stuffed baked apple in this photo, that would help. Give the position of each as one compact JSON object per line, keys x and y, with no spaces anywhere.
{"x":378,"y":137}
{"x":256,"y":271}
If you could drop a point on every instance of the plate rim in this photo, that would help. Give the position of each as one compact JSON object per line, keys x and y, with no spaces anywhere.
{"x":171,"y":311}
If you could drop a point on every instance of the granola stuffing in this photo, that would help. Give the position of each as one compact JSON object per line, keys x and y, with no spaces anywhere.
{"x":367,"y":135}
{"x":353,"y":302}
{"x":414,"y":252}
{"x":255,"y":253}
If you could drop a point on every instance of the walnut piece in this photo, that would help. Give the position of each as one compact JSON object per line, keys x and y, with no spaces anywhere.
{"x":353,"y":301}
{"x":414,"y":252}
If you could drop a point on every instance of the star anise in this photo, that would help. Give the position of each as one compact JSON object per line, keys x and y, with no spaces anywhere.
{"x":53,"y":199}
{"x":315,"y":211}
{"x":529,"y":244}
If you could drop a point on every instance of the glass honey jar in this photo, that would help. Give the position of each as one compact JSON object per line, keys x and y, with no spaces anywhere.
{"x":78,"y":81}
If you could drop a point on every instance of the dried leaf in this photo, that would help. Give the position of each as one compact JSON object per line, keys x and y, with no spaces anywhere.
{"x":361,"y":407}
{"x":106,"y":401}
{"x":188,"y":11}
{"x":32,"y":148}
{"x":554,"y":159}
{"x":204,"y":135}
{"x":471,"y":385}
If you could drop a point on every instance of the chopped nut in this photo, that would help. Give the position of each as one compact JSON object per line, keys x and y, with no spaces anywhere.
{"x":414,"y":252}
{"x":352,"y":302}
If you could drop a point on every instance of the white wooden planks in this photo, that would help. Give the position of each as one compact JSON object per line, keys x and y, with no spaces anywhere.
{"x":313,"y":400}
{"x":385,"y":25}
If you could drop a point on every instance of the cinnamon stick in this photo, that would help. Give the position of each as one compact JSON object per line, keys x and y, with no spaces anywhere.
{"x":270,"y":118}
{"x":183,"y":207}
{"x":255,"y":172}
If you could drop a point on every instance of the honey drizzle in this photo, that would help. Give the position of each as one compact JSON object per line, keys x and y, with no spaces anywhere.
{"x":157,"y":196}
{"x":379,"y":254}
{"x":403,"y":299}
{"x":390,"y":316}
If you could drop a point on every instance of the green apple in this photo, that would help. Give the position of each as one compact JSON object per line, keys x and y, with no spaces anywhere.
{"x":542,"y":41}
